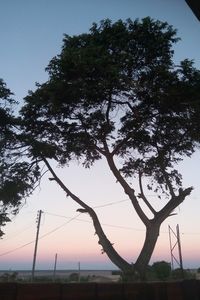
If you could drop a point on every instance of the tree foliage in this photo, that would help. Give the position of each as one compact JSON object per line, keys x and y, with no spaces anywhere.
{"x":5,"y":140}
{"x":115,"y":93}
{"x":118,"y":86}
{"x":17,"y":175}
{"x":162,"y":270}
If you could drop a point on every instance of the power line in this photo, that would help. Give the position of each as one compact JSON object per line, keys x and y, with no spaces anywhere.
{"x":111,"y":203}
{"x":87,"y":221}
{"x":15,"y":234}
{"x":57,"y":228}
{"x":15,"y":249}
{"x":75,"y":218}
{"x":98,"y":206}
{"x":111,"y":225}
{"x":41,"y":237}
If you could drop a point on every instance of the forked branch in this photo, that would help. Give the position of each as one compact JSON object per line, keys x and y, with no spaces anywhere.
{"x":143,"y":197}
{"x":103,"y":241}
{"x":127,"y":189}
{"x":173,"y":203}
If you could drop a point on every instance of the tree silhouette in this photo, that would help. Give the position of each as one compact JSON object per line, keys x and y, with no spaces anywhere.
{"x":115,"y":93}
{"x":17,"y":173}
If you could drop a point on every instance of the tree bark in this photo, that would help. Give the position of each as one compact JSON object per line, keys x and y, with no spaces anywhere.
{"x":107,"y":246}
{"x":130,"y":271}
{"x":152,"y":234}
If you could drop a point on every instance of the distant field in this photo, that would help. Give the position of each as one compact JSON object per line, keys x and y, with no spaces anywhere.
{"x":59,"y":273}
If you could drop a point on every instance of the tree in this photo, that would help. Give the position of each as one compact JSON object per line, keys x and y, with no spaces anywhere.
{"x":17,"y":176}
{"x":182,"y":274}
{"x":115,"y":93}
{"x":162,"y":269}
{"x":5,"y":140}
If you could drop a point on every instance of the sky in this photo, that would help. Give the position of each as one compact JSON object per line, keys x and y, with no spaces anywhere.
{"x":31,"y":34}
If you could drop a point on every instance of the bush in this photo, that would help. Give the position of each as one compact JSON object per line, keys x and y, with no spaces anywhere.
{"x":9,"y":277}
{"x":161,"y":269}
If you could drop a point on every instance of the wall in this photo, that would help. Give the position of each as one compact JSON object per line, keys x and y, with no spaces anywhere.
{"x":185,"y":290}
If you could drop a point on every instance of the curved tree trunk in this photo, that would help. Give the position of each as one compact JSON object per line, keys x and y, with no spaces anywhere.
{"x":107,"y":246}
{"x":137,"y":270}
{"x":152,"y":234}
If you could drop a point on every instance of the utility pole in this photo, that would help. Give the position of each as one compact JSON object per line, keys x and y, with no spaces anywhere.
{"x":173,"y":246}
{"x":79,"y":271}
{"x":36,"y":244}
{"x":55,"y":264}
{"x":179,"y":249}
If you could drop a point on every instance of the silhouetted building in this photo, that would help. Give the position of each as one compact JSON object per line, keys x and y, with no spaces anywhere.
{"x":195,"y":7}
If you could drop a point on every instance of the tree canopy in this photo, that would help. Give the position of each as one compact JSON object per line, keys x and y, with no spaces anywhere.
{"x":115,"y":93}
{"x":7,"y":201}
{"x":118,"y":85}
{"x":162,"y":270}
{"x":17,"y":175}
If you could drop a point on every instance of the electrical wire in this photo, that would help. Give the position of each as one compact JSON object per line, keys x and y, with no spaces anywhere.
{"x":78,"y":219}
{"x":111,"y":203}
{"x":17,"y":233}
{"x":41,"y":237}
{"x":64,"y":224}
{"x":57,"y":228}
{"x":117,"y":226}
{"x":87,"y":221}
{"x":15,"y":249}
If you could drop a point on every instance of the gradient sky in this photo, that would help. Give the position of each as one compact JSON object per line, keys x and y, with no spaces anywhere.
{"x":31,"y":34}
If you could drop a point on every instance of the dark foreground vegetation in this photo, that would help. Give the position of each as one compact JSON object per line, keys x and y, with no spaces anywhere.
{"x":158,"y":271}
{"x":178,"y":290}
{"x":162,"y":284}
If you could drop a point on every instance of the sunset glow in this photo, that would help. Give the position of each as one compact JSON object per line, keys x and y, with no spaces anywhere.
{"x":31,"y":34}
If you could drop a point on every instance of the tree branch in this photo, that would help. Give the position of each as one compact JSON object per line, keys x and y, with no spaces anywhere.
{"x":88,"y":135}
{"x":121,"y":143}
{"x":108,"y":110}
{"x":123,"y":102}
{"x":165,"y":174}
{"x":103,"y":240}
{"x":173,"y":203}
{"x":168,"y":182}
{"x":127,"y":189}
{"x":142,"y":195}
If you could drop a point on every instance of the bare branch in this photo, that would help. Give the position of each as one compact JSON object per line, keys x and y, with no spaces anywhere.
{"x":123,"y":103}
{"x":127,"y":189}
{"x":121,"y":143}
{"x":165,"y":174}
{"x":175,"y":201}
{"x":142,"y":195}
{"x":168,"y":182}
{"x":101,"y":151}
{"x":103,"y":240}
{"x":108,"y":111}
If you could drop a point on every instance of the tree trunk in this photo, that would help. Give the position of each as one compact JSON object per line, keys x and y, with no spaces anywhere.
{"x":130,"y":271}
{"x":152,"y":233}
